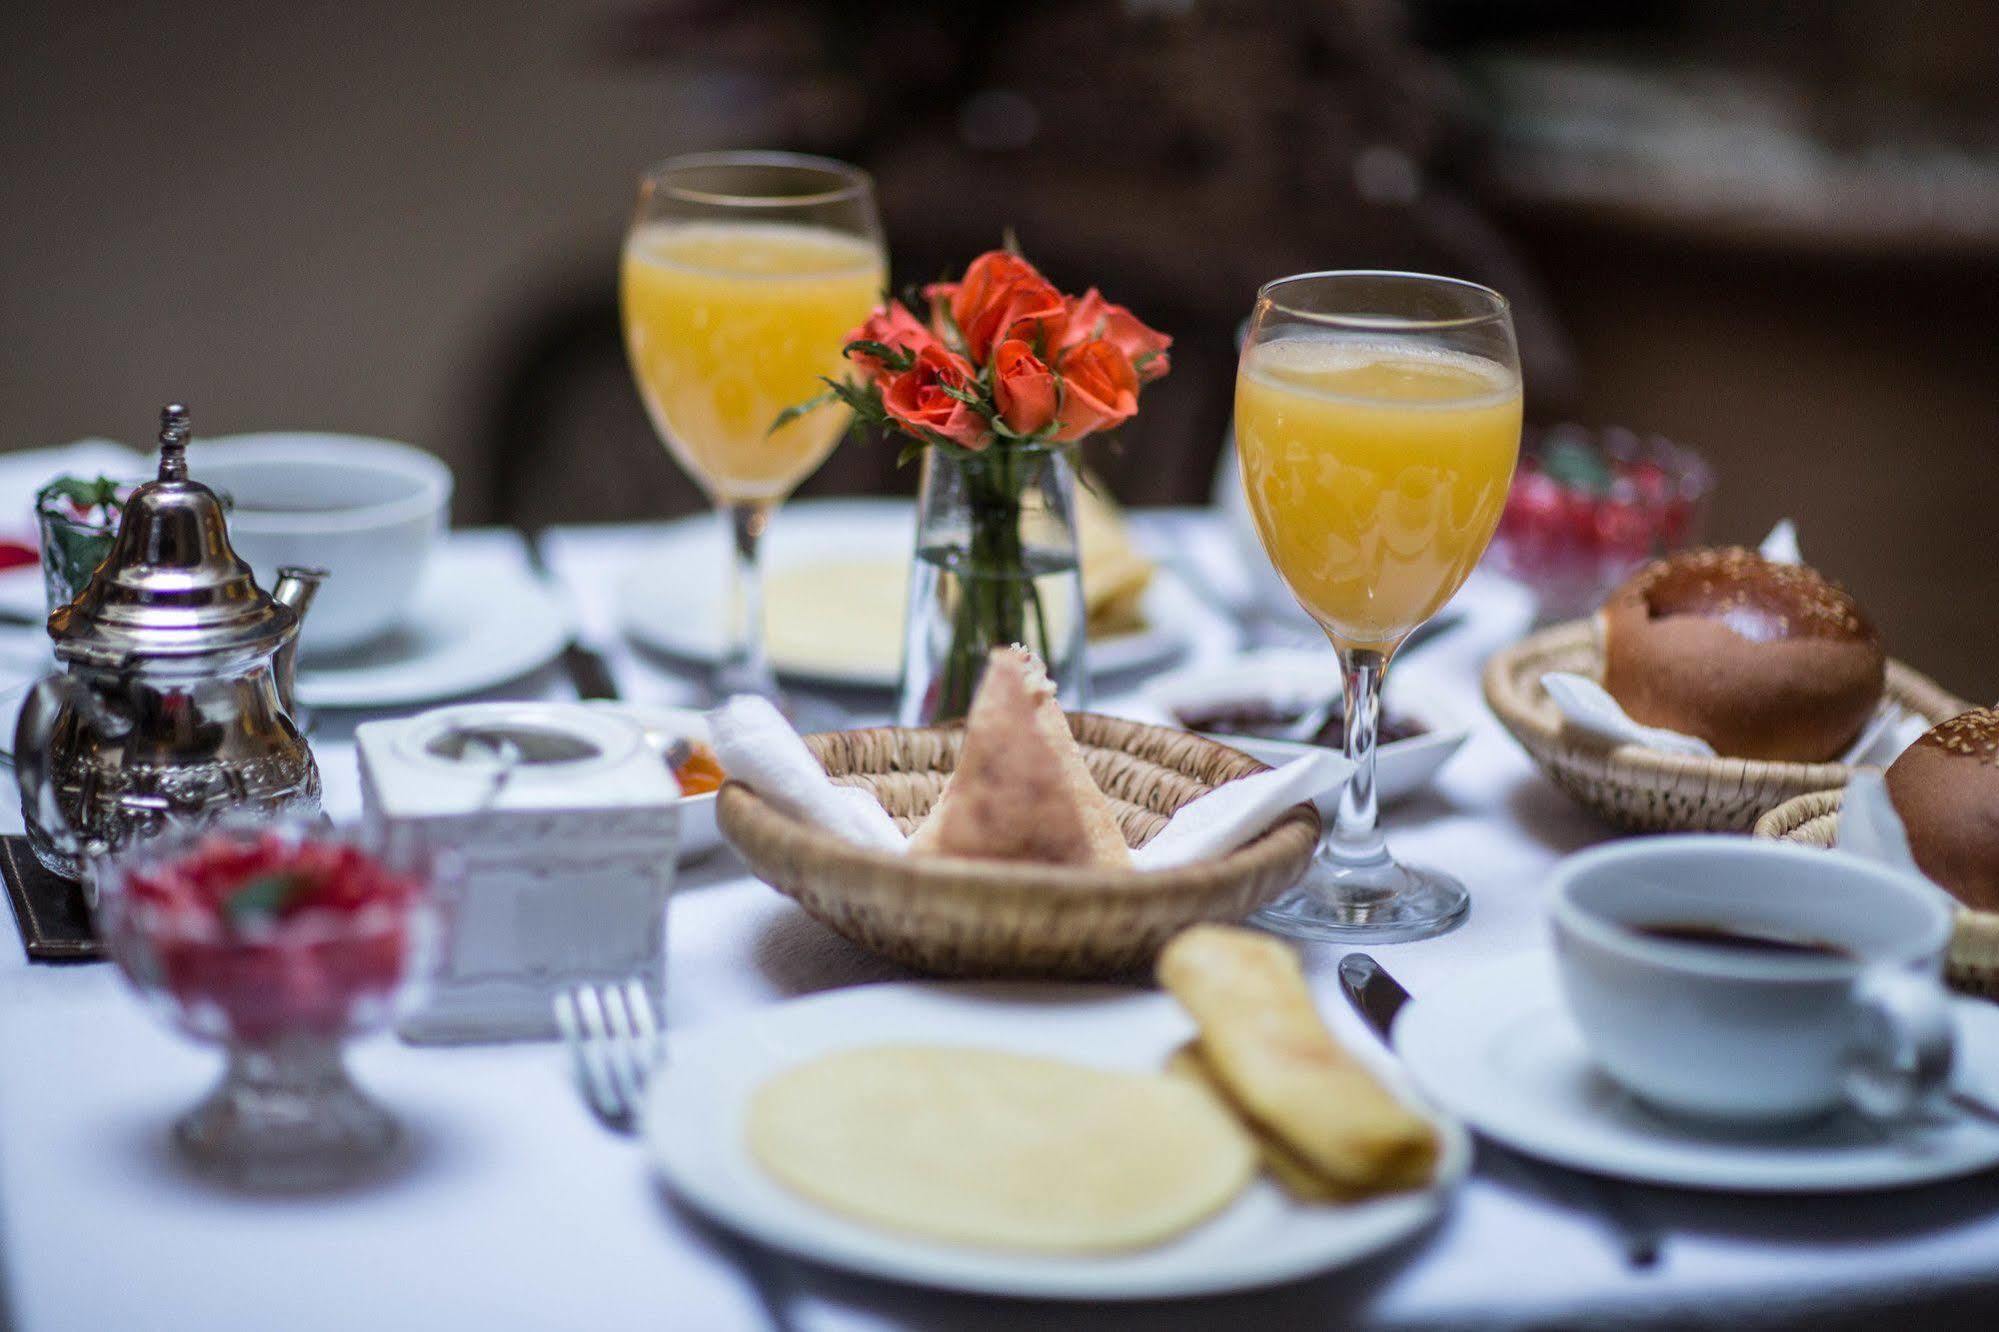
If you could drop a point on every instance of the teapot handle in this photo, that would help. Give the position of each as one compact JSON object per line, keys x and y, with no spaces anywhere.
{"x":32,"y":735}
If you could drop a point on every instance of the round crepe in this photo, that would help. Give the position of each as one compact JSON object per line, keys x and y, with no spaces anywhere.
{"x":1002,"y":1150}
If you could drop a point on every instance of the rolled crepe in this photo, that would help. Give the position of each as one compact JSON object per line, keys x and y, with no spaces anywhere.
{"x":1291,"y":1171}
{"x":1262,"y":1036}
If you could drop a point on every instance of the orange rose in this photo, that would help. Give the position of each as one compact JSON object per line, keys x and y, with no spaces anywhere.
{"x":917,"y":401}
{"x":1003,"y":296}
{"x":1024,"y":389}
{"x":1095,"y":317}
{"x":892,"y":326}
{"x":1099,"y":389}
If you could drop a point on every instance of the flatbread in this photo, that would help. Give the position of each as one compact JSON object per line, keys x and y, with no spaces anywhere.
{"x":1020,"y":790}
{"x":1263,"y":1037}
{"x":999,"y":1150}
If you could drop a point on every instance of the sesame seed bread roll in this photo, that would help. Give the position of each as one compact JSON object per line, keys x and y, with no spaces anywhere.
{"x":1946,"y":788}
{"x":1760,"y":659}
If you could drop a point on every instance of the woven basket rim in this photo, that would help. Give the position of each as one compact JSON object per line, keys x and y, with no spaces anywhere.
{"x":1512,"y":685}
{"x":1781,"y":821}
{"x":742,"y":812}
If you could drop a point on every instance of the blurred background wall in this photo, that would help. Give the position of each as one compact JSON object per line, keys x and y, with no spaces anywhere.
{"x":1768,"y":231}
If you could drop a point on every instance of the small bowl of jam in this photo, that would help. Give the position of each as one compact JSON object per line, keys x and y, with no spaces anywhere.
{"x":1249,"y":703}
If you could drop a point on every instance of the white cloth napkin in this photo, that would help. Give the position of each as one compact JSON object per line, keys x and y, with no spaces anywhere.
{"x":758,"y":747}
{"x":1588,"y":708}
{"x":1869,"y":827}
{"x":1236,"y":811}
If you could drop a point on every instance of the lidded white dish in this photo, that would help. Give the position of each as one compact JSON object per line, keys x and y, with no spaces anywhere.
{"x":561,"y":823}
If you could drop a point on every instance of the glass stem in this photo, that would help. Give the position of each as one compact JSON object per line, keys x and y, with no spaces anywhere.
{"x":1356,"y":837}
{"x":744,"y":667}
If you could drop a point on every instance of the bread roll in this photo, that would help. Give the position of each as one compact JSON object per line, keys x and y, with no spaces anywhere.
{"x":1946,"y":788}
{"x":1020,"y":790}
{"x":1762,"y":660}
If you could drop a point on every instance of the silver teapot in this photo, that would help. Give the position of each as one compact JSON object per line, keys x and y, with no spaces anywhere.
{"x":174,"y":701}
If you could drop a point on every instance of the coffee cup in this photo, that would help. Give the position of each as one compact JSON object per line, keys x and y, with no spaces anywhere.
{"x":366,"y":510}
{"x":1735,"y":979}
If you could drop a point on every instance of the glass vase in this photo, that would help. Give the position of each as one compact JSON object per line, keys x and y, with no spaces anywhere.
{"x":996,"y":563}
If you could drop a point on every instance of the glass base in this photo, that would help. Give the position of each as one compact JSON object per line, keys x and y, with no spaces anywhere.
{"x":1382,"y":902}
{"x":286,"y":1118}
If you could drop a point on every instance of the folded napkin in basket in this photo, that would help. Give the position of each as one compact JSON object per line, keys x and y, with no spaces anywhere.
{"x":759,"y":748}
{"x":1588,"y":708}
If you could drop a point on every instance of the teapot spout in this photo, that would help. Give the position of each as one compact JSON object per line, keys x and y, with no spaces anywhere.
{"x":296,"y":588}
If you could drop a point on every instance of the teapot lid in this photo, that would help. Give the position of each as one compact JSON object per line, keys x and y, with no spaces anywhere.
{"x":172,"y":585}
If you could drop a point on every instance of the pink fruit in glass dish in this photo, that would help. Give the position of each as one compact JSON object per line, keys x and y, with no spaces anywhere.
{"x":1589,"y":507}
{"x":266,"y":937}
{"x":277,"y":942}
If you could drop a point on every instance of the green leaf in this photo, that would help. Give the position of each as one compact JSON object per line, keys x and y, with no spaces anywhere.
{"x":99,"y":492}
{"x":798,"y":409}
{"x":1147,"y":359}
{"x":262,"y":898}
{"x":1574,"y":465}
{"x":895,"y":358}
{"x":971,"y":397}
{"x":910,"y":452}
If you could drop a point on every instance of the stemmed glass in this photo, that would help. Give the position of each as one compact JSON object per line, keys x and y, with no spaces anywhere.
{"x":1377,"y":421}
{"x":742,"y":273}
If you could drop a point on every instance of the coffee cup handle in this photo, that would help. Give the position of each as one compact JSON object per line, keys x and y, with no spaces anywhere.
{"x":1904,"y":1042}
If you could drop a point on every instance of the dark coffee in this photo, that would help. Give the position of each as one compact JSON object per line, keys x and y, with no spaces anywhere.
{"x":1738,"y":940}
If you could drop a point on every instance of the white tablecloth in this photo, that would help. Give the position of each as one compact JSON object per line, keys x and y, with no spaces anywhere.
{"x":515,"y":1211}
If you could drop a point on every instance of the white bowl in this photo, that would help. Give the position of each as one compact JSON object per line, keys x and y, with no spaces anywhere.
{"x":698,"y":833}
{"x":367,"y":511}
{"x":1288,"y":678}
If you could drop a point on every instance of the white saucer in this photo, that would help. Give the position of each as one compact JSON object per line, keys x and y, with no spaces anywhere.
{"x":670,"y":598}
{"x":694,"y":1136}
{"x":481,"y":619}
{"x":1498,"y":1049}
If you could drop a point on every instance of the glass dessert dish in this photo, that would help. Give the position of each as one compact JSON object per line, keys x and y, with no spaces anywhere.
{"x":1588,"y":507}
{"x":278,"y":942}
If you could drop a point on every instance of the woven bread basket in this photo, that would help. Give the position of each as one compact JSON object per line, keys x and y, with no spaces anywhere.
{"x":960,"y":917}
{"x":1642,"y":789}
{"x":1973,"y":963}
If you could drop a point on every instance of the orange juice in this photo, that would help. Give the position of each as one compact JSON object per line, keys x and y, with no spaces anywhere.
{"x":729,"y":323}
{"x":1376,"y":473}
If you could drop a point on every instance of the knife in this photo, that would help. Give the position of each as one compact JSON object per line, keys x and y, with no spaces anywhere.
{"x":1378,"y":997}
{"x":588,"y":673}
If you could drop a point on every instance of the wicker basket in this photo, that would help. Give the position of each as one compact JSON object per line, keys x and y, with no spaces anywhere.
{"x":1642,"y":789}
{"x":1973,"y":964}
{"x":974,"y":918}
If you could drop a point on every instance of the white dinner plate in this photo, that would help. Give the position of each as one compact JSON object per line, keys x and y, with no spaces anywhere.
{"x":1301,"y":678}
{"x":835,"y":575}
{"x":1498,"y":1049}
{"x":694,"y":1135}
{"x":481,"y":619}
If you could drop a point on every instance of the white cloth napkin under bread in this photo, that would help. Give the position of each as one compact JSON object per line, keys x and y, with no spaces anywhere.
{"x":759,"y":748}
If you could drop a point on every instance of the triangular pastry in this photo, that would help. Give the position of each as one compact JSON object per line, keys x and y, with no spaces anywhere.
{"x":1021,"y":790}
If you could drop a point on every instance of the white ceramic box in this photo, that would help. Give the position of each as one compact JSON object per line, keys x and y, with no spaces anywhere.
{"x":563,"y":824}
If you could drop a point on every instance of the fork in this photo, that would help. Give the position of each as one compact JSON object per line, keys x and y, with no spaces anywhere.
{"x":614,"y":1045}
{"x":613,"y":1039}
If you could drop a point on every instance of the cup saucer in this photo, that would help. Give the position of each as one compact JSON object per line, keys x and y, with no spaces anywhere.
{"x":1499,"y":1050}
{"x":480,"y":620}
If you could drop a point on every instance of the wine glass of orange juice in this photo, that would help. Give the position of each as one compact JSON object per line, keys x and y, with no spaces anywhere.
{"x":1377,"y":420}
{"x":742,"y":274}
